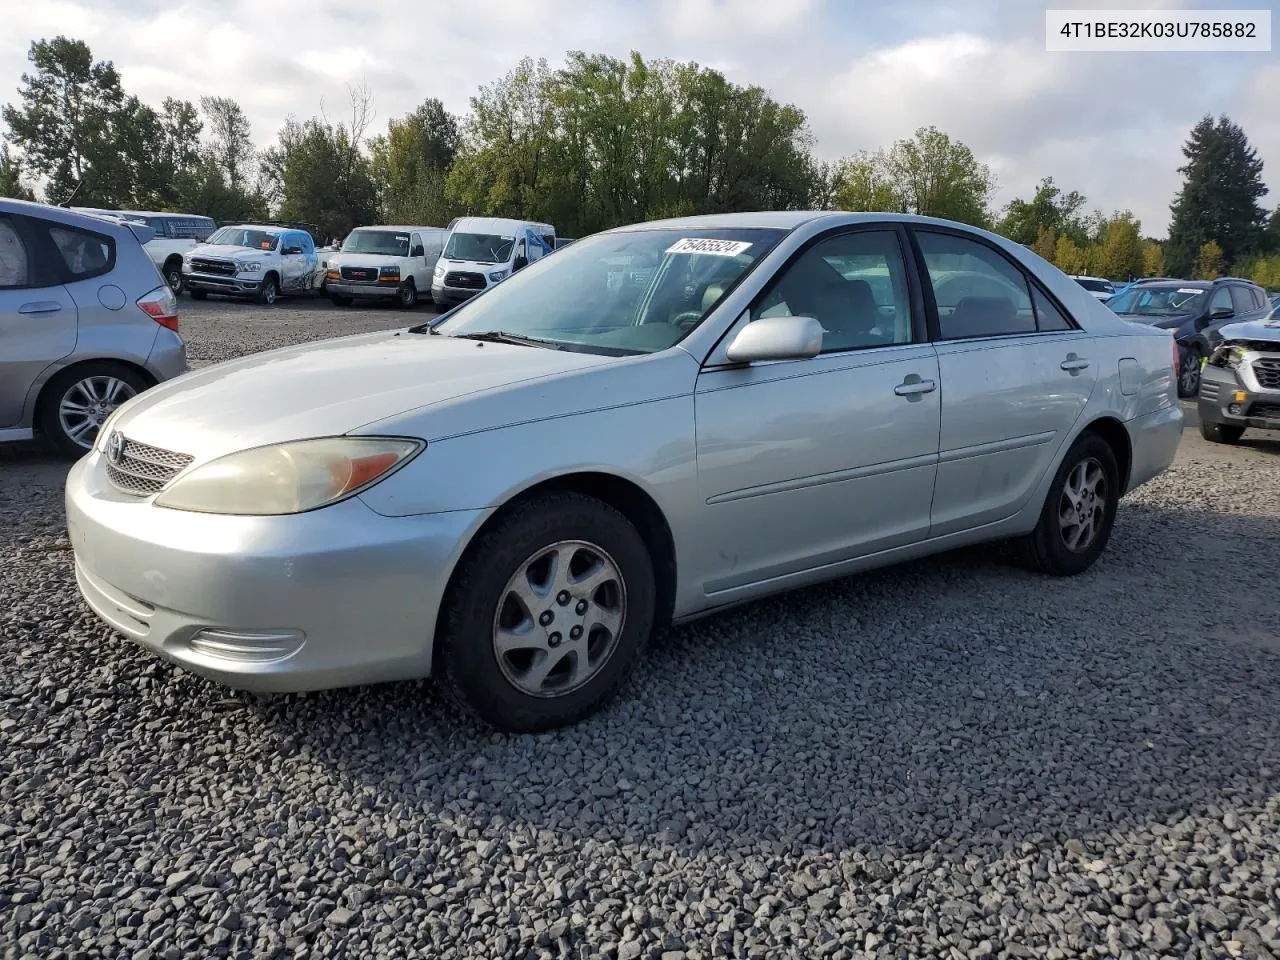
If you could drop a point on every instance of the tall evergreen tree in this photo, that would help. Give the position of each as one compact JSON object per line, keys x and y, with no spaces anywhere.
{"x":1218,"y":201}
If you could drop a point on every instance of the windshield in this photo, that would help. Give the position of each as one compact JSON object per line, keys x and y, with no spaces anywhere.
{"x":1158,"y":301}
{"x":640,"y":291}
{"x":244,"y":237}
{"x":479,"y":247}
{"x":1097,"y":286}
{"x":385,"y":242}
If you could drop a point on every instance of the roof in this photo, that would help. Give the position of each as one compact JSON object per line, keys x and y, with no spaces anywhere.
{"x":495,"y":223}
{"x":394,"y":226}
{"x":59,"y":214}
{"x":791,"y":219}
{"x":265,"y":228}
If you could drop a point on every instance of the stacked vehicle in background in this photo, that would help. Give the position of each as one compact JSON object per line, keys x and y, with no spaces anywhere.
{"x":1240,"y":384}
{"x":175,"y":235}
{"x":482,"y":251}
{"x":261,"y":261}
{"x":384,"y":263}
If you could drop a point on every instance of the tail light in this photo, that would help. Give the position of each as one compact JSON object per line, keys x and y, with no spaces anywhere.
{"x":162,"y":307}
{"x":1177,"y":360}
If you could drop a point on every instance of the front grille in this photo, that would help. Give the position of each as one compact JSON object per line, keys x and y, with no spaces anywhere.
{"x":1267,"y":370}
{"x":1269,"y":410}
{"x":142,"y":470}
{"x":463,"y":280}
{"x":361,"y":274}
{"x":222,"y":267}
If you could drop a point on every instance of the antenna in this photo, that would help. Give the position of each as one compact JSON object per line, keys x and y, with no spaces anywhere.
{"x":67,"y":202}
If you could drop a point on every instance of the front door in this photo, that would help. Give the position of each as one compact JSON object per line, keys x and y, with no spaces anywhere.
{"x":810,"y":462}
{"x":37,"y":315}
{"x":1015,"y":376}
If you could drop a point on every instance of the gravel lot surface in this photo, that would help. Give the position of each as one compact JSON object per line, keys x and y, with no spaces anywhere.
{"x":952,"y":758}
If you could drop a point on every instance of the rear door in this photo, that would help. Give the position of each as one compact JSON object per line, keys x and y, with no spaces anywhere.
{"x":1015,"y":375}
{"x":37,"y":314}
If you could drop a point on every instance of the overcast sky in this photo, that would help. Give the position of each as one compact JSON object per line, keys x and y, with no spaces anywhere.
{"x":864,"y":71}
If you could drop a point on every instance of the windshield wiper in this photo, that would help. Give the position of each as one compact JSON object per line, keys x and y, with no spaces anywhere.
{"x":502,"y":336}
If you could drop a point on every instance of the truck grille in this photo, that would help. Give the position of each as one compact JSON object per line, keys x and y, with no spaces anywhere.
{"x":221,"y":267}
{"x":1267,"y":370}
{"x":463,"y":280}
{"x":360,"y":274}
{"x":140,"y":470}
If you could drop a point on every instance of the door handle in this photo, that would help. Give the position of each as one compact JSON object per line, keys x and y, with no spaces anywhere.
{"x":913,"y":388}
{"x":41,"y":306}
{"x":1074,"y":364}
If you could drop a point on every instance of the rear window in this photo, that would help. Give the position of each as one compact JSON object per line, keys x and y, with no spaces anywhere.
{"x":84,"y":254}
{"x":1095,"y":286}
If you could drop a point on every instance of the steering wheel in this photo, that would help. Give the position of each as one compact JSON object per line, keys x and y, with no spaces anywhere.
{"x":686,"y":319}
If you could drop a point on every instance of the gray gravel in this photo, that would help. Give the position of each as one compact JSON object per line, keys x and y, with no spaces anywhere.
{"x":952,"y":758}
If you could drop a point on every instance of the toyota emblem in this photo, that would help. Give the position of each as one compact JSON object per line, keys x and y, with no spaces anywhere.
{"x":115,"y":446}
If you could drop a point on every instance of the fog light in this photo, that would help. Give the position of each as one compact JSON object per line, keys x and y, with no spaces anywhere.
{"x":1234,"y":409}
{"x":1240,"y":396}
{"x":248,"y":646}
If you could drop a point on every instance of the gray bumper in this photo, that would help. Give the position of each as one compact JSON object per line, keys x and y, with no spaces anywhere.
{"x":342,"y":288}
{"x":213,"y":283}
{"x":1222,"y":391}
{"x":449,"y":296}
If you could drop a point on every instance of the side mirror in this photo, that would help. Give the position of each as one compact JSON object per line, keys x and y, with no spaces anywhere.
{"x":417,"y":252}
{"x":1222,"y":313}
{"x":290,"y":251}
{"x":777,"y":338}
{"x":520,"y":264}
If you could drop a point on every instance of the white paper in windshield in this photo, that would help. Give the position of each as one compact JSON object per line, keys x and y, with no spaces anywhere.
{"x":1189,"y":290}
{"x":716,"y":248}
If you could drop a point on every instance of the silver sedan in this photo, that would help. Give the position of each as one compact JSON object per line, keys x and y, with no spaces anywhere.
{"x":657,"y":423}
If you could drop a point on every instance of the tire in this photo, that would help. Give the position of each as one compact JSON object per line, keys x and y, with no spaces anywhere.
{"x":1047,"y":548}
{"x":1189,"y":377}
{"x":100,"y":387}
{"x":407,"y":296}
{"x":339,"y":301}
{"x":1221,"y":432}
{"x":173,"y":276}
{"x":269,"y":292}
{"x":504,"y":558}
{"x":199,"y":294}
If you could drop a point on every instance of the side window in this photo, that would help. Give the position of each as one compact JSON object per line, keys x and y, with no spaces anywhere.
{"x":1221,"y":300}
{"x":978,"y":292}
{"x":854,"y":284}
{"x":1048,"y":317}
{"x":415,"y":245}
{"x":308,"y":245}
{"x":15,"y":266}
{"x":1242,"y":299}
{"x":84,"y":254}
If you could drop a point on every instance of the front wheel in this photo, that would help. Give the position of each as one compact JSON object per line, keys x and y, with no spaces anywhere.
{"x":1221,"y":432}
{"x":1075,"y":522}
{"x":548,"y":614}
{"x":1189,"y":374}
{"x":407,"y":296}
{"x":269,"y":292}
{"x":79,"y":402}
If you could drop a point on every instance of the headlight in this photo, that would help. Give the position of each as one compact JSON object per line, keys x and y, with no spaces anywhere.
{"x":248,"y":267}
{"x":289,"y":477}
{"x":439,"y":271}
{"x":497,"y":275}
{"x":1227,"y":355}
{"x":389,"y":273}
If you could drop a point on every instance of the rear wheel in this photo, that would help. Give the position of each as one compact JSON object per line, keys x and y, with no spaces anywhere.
{"x":1075,"y":523}
{"x":76,"y":403}
{"x":548,"y":614}
{"x":173,"y":276}
{"x":1221,"y":432}
{"x":269,"y":292}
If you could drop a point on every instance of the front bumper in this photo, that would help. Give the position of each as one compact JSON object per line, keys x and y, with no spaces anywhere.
{"x":335,"y":597}
{"x":1233,"y":397}
{"x":344,"y":288}
{"x":221,"y":283}
{"x":450,"y":296}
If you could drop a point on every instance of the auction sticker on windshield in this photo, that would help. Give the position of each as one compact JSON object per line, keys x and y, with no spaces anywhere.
{"x":1189,"y":290}
{"x":718,"y":248}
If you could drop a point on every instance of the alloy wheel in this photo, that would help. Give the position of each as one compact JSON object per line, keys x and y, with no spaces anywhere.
{"x":87,"y":404}
{"x":1189,"y":377}
{"x":1082,"y":508}
{"x":559,"y":618}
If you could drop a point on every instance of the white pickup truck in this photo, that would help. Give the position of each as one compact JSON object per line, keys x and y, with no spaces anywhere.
{"x":262,"y":261}
{"x":176,"y":235}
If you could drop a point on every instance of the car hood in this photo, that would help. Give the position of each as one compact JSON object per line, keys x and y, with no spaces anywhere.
{"x":364,"y":260}
{"x":328,"y":388}
{"x":229,"y":250}
{"x":1164,"y":323}
{"x":1263,"y":330}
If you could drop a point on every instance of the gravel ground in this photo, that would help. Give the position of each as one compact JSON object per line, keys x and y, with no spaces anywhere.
{"x":951,"y":758}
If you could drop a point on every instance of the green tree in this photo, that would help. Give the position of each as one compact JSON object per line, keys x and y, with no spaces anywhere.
{"x":1218,"y":201}
{"x":1049,"y":208}
{"x":1152,"y":259}
{"x":1119,"y":254}
{"x":1209,"y":260}
{"x":862,"y":185}
{"x":230,"y":144}
{"x":11,"y":184}
{"x":1046,"y":243}
{"x":410,"y":162}
{"x":1271,"y":233}
{"x":75,"y":126}
{"x":1070,"y":257}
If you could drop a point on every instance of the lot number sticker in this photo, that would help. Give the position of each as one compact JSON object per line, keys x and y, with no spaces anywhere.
{"x":717,"y":248}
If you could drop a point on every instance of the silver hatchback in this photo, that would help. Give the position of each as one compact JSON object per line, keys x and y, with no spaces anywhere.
{"x":86,"y":322}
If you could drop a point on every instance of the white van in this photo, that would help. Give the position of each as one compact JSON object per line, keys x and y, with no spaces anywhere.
{"x":381,"y":262}
{"x":482,"y":251}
